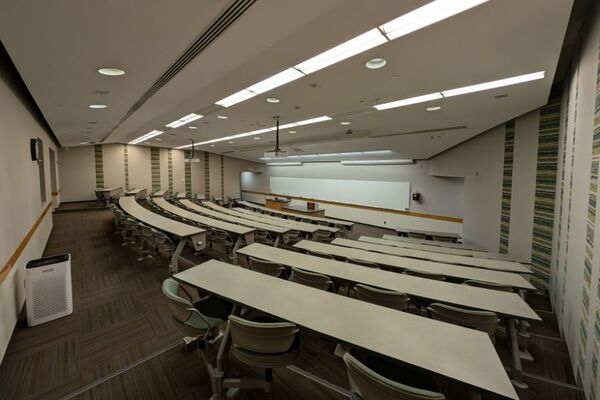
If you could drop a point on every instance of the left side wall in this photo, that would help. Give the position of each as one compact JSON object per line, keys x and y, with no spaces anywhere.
{"x":25,"y":219}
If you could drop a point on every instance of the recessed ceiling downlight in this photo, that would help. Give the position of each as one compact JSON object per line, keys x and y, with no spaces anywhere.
{"x":345,"y":123}
{"x":97,"y":106}
{"x":376,"y":63}
{"x":111,"y":71}
{"x":222,"y":116}
{"x":433,"y":108}
{"x":273,"y":100}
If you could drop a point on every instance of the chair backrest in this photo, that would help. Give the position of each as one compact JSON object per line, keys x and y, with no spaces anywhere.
{"x":485,"y":321}
{"x":369,"y":385}
{"x":265,"y":267}
{"x":222,"y":235}
{"x":322,"y":236}
{"x":313,"y":279}
{"x":382,"y":297}
{"x":293,"y":236}
{"x":179,"y":306}
{"x":262,"y":337}
{"x":320,"y":254}
{"x":423,"y":274}
{"x":260,"y":235}
{"x":417,"y":235}
{"x":489,"y":285}
{"x":364,"y":263}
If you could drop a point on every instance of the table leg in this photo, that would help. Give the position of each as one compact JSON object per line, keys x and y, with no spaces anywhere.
{"x":517,"y":371}
{"x":277,"y":240}
{"x":238,"y":243}
{"x":219,"y":374}
{"x":174,"y":263}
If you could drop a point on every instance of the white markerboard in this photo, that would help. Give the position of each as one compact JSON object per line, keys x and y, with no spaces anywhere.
{"x":382,"y":194}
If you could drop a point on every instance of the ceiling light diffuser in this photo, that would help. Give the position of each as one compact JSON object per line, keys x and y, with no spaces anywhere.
{"x":285,"y":164}
{"x":111,"y":71}
{"x":236,"y":98}
{"x":364,"y":42}
{"x":290,"y":74}
{"x":147,"y":136}
{"x":258,"y":131}
{"x":97,"y":106}
{"x":345,"y":123}
{"x":376,"y":63}
{"x":409,"y":101}
{"x":273,"y":100}
{"x":495,"y":84}
{"x":378,"y":162}
{"x":433,"y":108}
{"x":429,"y":14}
{"x":222,"y":116}
{"x":184,"y":120}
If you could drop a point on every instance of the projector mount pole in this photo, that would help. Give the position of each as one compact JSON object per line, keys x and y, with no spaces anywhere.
{"x":277,"y":149}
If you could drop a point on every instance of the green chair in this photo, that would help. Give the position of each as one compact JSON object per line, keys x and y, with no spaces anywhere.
{"x":366,"y":384}
{"x":485,"y":321}
{"x":423,"y":274}
{"x":386,"y":298}
{"x":320,"y":254}
{"x":312,"y":279}
{"x":266,"y":267}
{"x":198,"y":320}
{"x":265,"y":345}
{"x":322,"y":236}
{"x":489,"y":285}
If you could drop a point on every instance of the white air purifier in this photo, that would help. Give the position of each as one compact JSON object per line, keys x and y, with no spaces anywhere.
{"x":48,"y":289}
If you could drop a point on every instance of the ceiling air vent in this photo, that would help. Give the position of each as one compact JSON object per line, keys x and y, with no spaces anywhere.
{"x":231,"y":14}
{"x":435,"y":130}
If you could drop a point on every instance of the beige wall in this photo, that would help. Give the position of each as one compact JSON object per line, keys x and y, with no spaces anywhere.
{"x":21,"y":201}
{"x":79,"y":176}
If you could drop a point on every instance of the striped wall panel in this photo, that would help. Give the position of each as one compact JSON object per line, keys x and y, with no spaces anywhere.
{"x":543,"y":217}
{"x":187,"y":172}
{"x":155,"y":167}
{"x":592,"y":203}
{"x":99,"y":165}
{"x":222,"y":178}
{"x":170,"y":170}
{"x":509,"y":146}
{"x":207,"y":175}
{"x":126,"y":166}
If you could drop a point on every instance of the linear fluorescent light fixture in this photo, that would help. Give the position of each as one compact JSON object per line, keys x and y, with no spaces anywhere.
{"x":147,"y":136}
{"x":284,"y":164}
{"x":377,"y":162}
{"x":409,"y":101}
{"x":352,"y":47}
{"x":422,"y":17}
{"x":184,"y":120}
{"x":495,"y":84}
{"x":259,"y":131}
{"x":346,"y":154}
{"x":429,"y":14}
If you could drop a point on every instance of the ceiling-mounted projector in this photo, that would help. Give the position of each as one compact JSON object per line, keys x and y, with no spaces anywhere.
{"x":277,"y":153}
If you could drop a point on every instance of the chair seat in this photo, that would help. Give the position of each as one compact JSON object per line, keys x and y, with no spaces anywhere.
{"x":214,"y":307}
{"x":196,"y":322}
{"x":262,"y":360}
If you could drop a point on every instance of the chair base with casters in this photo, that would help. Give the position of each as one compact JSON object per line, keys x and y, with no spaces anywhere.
{"x":264,"y":345}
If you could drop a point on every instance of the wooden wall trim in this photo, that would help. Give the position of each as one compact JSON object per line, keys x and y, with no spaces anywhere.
{"x":15,"y":256}
{"x":369,"y":208}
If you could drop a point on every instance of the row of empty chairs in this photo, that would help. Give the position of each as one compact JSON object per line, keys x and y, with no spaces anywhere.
{"x":267,"y":343}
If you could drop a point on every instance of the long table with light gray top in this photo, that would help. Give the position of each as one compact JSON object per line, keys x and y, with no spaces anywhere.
{"x":292,"y":225}
{"x":510,"y":305}
{"x":160,"y":193}
{"x":441,"y":348}
{"x":331,"y":221}
{"x":498,"y":265}
{"x":437,"y":249}
{"x":184,"y":232}
{"x":407,"y":231}
{"x":439,"y":243}
{"x":279,"y":220}
{"x":277,"y":230}
{"x":109,"y":193}
{"x":241,"y":232}
{"x":137,"y":193}
{"x":458,"y":272}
